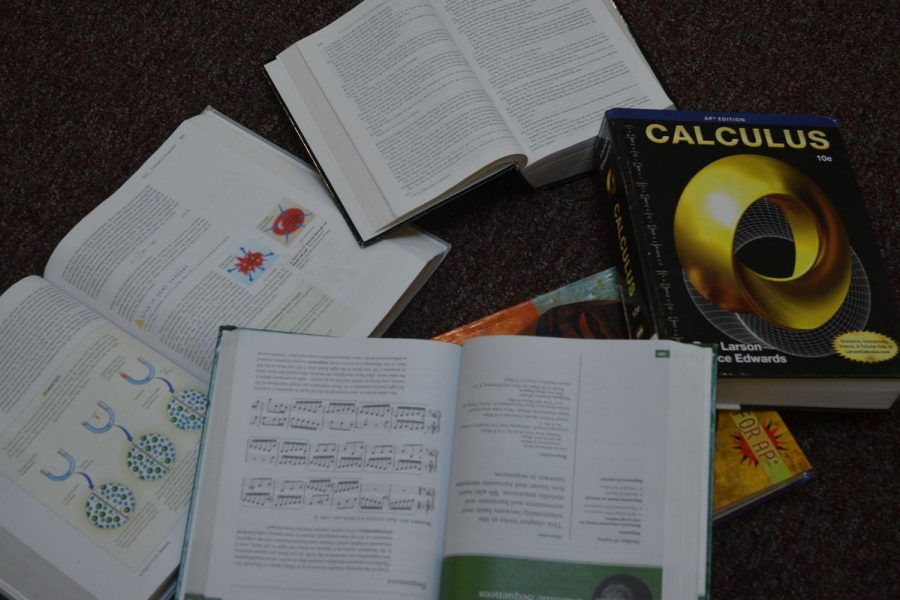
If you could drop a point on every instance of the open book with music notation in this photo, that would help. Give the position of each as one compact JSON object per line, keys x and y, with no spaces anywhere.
{"x":387,"y":468}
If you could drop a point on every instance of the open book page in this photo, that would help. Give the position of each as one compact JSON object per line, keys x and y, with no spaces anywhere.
{"x":324,"y":472}
{"x":571,"y":459}
{"x":553,"y":68}
{"x":400,"y":89}
{"x":98,"y":442}
{"x":219,"y":227}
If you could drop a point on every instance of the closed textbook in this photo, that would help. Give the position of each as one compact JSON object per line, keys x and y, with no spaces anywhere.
{"x":588,"y":308}
{"x":756,"y":459}
{"x":747,"y":231}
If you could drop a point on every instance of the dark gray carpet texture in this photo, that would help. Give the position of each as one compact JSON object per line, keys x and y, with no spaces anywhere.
{"x":89,"y":89}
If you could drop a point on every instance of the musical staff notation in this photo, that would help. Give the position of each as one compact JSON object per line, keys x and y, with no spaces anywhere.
{"x":336,"y":494}
{"x":315,"y":415}
{"x":354,"y":456}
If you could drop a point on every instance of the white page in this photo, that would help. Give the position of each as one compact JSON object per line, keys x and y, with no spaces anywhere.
{"x":575,"y":414}
{"x":217,"y":228}
{"x":62,"y":397}
{"x":552,"y":68}
{"x":407,"y":99}
{"x":563,"y":454}
{"x":334,"y":462}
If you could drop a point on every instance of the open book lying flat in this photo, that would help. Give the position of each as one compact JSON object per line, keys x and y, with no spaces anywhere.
{"x":405,"y":105}
{"x":106,"y":359}
{"x":509,"y":467}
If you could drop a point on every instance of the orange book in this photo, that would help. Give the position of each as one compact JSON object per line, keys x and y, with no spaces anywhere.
{"x":588,"y":308}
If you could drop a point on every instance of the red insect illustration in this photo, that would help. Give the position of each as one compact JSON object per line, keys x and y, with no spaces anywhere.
{"x":288,"y":221}
{"x":250,"y":262}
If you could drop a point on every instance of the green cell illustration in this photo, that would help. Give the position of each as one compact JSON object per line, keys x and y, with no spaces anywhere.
{"x":186,"y":408}
{"x":150,"y":457}
{"x":109,"y":505}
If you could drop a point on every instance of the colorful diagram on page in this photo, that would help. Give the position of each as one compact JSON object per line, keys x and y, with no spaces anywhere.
{"x":102,"y":457}
{"x":149,"y":457}
{"x":286,"y":222}
{"x":109,"y":505}
{"x":186,"y":408}
{"x":250,"y":263}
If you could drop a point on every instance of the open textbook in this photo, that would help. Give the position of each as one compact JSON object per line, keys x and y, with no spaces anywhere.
{"x":404,"y":105}
{"x":106,"y":359}
{"x":508,"y":467}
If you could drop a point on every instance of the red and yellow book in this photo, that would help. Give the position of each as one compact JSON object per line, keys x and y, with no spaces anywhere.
{"x":756,"y":458}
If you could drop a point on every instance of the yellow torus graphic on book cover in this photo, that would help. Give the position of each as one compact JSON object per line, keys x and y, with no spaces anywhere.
{"x":809,"y":310}
{"x":706,"y":222}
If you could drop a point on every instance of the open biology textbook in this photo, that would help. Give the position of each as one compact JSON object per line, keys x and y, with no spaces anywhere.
{"x":404,"y":105}
{"x":106,"y":358}
{"x":508,"y":467}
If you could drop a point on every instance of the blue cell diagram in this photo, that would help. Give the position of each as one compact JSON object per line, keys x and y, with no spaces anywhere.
{"x":186,"y":408}
{"x":150,"y":457}
{"x":108,"y":506}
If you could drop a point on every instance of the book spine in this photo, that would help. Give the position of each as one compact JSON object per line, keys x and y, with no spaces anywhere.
{"x":318,"y":167}
{"x":618,"y":186}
